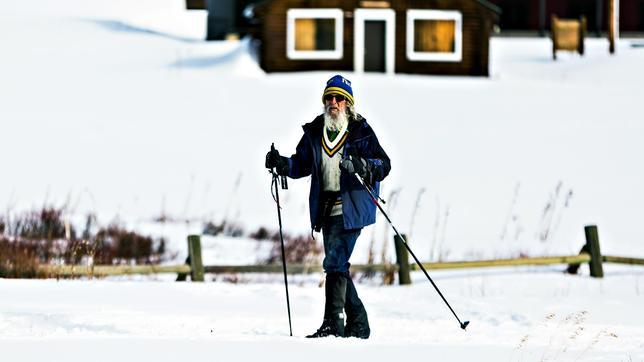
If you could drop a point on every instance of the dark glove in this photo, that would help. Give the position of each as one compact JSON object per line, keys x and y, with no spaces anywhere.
{"x":280,"y":163}
{"x":354,"y":164}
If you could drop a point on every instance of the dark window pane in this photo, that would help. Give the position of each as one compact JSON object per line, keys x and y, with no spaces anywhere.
{"x":325,"y":34}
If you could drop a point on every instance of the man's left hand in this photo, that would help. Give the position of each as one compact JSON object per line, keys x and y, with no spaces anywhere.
{"x":354,"y":164}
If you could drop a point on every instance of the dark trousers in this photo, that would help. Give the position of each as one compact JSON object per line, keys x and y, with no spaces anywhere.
{"x":338,"y":244}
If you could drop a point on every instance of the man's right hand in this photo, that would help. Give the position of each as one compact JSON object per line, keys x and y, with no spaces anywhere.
{"x":275,"y":160}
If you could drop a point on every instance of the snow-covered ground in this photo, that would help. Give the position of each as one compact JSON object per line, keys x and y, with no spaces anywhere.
{"x":516,"y":315}
{"x":118,"y":108}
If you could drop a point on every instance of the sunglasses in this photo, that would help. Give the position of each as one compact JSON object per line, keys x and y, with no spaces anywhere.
{"x":338,"y":98}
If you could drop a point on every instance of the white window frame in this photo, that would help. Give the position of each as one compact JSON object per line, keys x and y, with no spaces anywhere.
{"x":293,"y":14}
{"x":417,"y":14}
{"x":362,"y":15}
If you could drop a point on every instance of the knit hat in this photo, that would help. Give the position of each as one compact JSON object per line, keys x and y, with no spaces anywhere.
{"x":339,"y":85}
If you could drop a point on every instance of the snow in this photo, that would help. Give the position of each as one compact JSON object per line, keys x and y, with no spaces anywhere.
{"x":118,"y":108}
{"x":559,"y":318}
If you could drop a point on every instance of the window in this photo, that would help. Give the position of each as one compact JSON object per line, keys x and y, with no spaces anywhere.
{"x":434,"y":35}
{"x":314,"y":34}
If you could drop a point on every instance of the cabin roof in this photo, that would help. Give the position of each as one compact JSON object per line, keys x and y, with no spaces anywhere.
{"x":260,"y":7}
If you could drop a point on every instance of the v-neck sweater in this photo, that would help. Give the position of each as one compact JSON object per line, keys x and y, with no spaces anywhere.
{"x":331,"y":156}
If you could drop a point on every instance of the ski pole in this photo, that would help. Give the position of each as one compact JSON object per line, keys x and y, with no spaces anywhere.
{"x":279,"y":218}
{"x":373,"y":197}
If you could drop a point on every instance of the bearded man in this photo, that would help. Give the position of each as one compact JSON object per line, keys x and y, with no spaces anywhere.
{"x":334,"y":147}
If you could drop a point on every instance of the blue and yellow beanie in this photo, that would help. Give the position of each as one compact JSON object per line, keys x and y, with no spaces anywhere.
{"x":339,"y":85}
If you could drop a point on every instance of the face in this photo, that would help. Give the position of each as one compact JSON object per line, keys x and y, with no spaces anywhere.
{"x":334,"y":104}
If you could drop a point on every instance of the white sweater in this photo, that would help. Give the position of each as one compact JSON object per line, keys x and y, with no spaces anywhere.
{"x":331,"y":155}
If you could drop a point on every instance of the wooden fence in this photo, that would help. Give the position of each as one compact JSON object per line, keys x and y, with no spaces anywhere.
{"x":590,"y":253}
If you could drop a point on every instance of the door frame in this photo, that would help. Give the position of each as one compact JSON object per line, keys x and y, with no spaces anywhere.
{"x":362,"y":15}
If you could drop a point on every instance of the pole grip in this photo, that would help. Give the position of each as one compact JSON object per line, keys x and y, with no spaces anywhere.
{"x":283,"y":181}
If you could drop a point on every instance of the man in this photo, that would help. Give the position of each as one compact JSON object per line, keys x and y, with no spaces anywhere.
{"x":335,"y":146}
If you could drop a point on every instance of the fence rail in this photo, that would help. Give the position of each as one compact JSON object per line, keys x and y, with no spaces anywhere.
{"x":308,"y":269}
{"x":590,"y":254}
{"x":622,"y":260}
{"x":294,"y":268}
{"x":108,"y":270}
{"x":546,"y":260}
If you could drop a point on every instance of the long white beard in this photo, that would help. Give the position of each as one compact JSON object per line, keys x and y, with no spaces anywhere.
{"x":335,"y":122}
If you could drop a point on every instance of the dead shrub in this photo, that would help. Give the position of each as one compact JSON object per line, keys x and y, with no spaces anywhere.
{"x":297,"y":249}
{"x":115,"y":245}
{"x":262,"y":234}
{"x":223,"y":228}
{"x":43,"y":237}
{"x":18,"y":260}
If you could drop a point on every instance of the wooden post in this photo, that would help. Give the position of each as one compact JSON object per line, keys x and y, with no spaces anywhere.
{"x":611,"y":26}
{"x":592,"y":245}
{"x":181,"y":277}
{"x":402,"y":258}
{"x":196,"y":264}
{"x":582,"y":34}
{"x":553,"y":35}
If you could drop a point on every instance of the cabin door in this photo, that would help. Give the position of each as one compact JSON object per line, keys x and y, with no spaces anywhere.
{"x":374,"y":40}
{"x":374,"y":46}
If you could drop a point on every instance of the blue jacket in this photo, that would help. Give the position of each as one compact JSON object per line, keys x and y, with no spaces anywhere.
{"x":358,"y":208}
